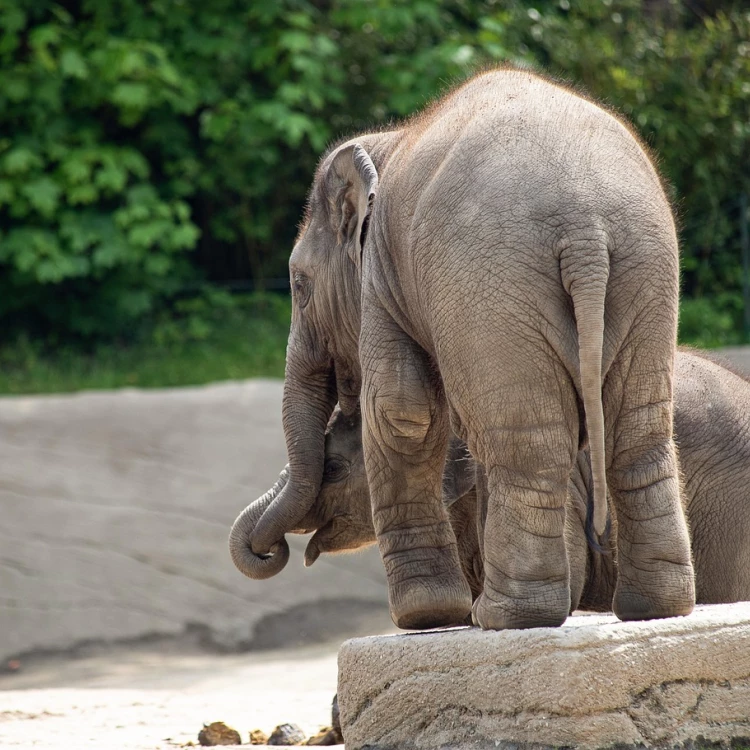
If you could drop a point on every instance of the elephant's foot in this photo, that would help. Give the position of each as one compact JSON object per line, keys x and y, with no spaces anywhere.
{"x":538,"y":605}
{"x":427,"y":599}
{"x":655,"y":576}
{"x":664,"y":590}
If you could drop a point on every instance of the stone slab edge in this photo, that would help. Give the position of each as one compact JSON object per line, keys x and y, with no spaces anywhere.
{"x":593,"y":683}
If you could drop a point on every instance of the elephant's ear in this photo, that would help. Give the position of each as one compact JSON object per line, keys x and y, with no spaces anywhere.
{"x":351,"y":184}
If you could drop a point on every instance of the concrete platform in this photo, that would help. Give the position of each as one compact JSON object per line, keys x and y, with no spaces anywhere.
{"x":595,"y":682}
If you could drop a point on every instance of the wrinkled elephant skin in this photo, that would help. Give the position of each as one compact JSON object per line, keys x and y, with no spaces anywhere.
{"x":712,"y":407}
{"x":544,"y":211}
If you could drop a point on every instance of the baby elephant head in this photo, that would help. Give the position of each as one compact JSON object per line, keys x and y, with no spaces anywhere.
{"x":341,"y":516}
{"x":342,"y":513}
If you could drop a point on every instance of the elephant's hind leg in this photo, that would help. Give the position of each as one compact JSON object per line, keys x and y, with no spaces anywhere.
{"x":405,"y":432}
{"x":655,"y":573}
{"x":529,"y":447}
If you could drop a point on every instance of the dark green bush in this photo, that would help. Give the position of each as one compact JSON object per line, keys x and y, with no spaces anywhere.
{"x":92,"y":233}
{"x":206,"y":340}
{"x":147,"y":146}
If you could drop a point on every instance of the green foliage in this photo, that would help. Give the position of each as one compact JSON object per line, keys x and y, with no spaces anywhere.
{"x":148,"y":146}
{"x":90,"y":235}
{"x":205,"y":340}
{"x":711,"y":322}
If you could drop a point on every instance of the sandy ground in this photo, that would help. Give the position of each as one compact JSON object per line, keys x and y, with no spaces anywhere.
{"x":154,"y":697}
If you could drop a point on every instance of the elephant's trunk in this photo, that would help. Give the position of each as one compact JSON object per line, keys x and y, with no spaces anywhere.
{"x":257,"y":541}
{"x":248,"y":563}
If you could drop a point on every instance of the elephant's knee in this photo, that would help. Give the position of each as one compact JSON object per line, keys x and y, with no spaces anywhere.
{"x":643,"y":468}
{"x":401,"y":421}
{"x":404,"y":425}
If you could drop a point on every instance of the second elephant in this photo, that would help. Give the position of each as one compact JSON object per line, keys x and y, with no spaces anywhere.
{"x":712,"y":430}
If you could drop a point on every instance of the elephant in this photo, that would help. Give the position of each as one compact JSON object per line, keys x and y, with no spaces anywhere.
{"x":712,"y":431}
{"x":546,"y":212}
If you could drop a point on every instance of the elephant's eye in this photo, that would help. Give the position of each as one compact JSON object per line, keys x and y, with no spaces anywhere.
{"x":301,"y":288}
{"x":335,"y":470}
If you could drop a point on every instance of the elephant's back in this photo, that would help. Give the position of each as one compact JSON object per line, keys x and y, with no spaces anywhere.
{"x":712,"y":407}
{"x":511,"y":138}
{"x":506,"y":102}
{"x":505,"y":171}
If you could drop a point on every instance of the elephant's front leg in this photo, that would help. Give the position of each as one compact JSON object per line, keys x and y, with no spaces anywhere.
{"x":405,"y":432}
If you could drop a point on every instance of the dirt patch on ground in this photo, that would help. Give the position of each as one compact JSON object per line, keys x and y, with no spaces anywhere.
{"x":144,"y":697}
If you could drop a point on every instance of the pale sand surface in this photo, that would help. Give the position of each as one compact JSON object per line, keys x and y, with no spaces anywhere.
{"x":150,"y":698}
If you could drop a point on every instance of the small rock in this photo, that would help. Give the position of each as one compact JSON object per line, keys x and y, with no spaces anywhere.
{"x":12,"y":666}
{"x":286,"y":734}
{"x":325,"y":736}
{"x":218,"y":733}
{"x":336,"y":721}
{"x":258,"y":737}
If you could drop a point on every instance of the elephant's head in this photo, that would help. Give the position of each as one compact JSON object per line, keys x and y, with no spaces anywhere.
{"x":341,"y":515}
{"x":322,"y":364}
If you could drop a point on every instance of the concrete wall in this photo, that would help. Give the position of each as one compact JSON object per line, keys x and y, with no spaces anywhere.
{"x":114,"y":514}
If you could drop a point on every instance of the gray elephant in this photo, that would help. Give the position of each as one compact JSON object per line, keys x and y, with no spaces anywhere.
{"x":711,"y":423}
{"x":545,"y":212}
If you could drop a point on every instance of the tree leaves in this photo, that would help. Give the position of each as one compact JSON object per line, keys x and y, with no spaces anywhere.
{"x":133,"y":134}
{"x":43,"y":194}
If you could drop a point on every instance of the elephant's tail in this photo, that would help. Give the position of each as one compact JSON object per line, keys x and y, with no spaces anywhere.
{"x":588,"y":288}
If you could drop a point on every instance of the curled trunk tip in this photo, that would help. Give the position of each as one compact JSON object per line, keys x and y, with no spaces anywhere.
{"x":258,"y":566}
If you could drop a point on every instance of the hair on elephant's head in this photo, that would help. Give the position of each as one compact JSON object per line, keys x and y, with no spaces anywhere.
{"x":322,"y":365}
